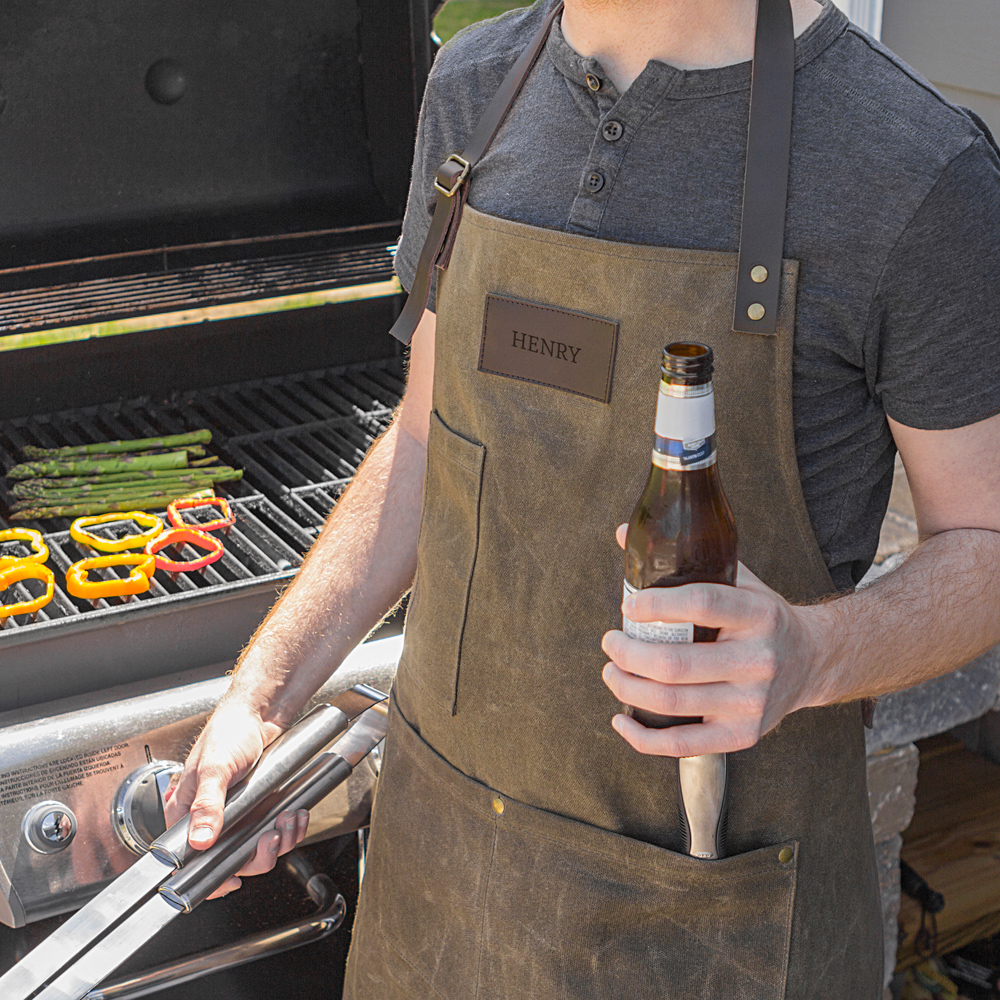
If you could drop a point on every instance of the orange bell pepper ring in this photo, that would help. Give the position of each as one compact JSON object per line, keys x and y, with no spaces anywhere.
{"x":39,"y":553}
{"x":137,"y":582}
{"x":227,"y":519}
{"x":151,"y":524}
{"x":180,"y":536}
{"x":26,"y":569}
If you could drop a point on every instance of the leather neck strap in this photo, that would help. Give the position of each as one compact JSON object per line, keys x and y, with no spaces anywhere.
{"x":765,"y":186}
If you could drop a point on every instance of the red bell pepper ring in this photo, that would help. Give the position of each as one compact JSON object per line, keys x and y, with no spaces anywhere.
{"x":181,"y":536}
{"x":227,"y":520}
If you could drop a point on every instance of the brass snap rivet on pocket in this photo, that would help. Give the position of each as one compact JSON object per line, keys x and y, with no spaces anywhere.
{"x":498,"y":806}
{"x":784,"y":855}
{"x":759,"y":273}
{"x":756,"y":311}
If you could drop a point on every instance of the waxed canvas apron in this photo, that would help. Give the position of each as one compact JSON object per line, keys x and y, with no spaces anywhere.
{"x":520,"y":848}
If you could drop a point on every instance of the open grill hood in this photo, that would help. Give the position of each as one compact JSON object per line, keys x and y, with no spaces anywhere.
{"x":165,"y":159}
{"x":132,"y":126}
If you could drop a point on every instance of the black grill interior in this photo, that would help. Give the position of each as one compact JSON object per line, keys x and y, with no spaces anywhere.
{"x":299,"y":439}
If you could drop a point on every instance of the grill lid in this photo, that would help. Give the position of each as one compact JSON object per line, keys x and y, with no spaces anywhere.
{"x":135,"y":127}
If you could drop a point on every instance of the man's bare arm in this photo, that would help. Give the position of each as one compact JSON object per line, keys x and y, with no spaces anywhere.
{"x":358,"y":569}
{"x":930,"y":616}
{"x":939,"y":609}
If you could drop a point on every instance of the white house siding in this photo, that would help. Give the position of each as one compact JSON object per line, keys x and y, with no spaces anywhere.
{"x":866,"y":14}
{"x":954,"y":43}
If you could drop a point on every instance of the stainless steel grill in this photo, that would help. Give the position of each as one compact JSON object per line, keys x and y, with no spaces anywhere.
{"x":282,"y":170}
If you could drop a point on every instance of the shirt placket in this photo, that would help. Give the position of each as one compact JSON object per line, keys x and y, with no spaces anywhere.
{"x":618,"y":122}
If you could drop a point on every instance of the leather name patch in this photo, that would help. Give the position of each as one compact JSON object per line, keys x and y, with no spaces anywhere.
{"x":554,"y":347}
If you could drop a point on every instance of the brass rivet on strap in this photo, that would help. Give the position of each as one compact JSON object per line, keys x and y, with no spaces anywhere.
{"x":594,"y":82}
{"x":756,"y":311}
{"x":759,"y":274}
{"x":784,"y":855}
{"x":498,"y":806}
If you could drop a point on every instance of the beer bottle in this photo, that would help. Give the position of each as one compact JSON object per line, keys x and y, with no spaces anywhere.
{"x":682,"y":531}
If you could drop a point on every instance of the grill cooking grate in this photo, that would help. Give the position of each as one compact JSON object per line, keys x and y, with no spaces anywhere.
{"x":298,"y":438}
{"x":199,"y":286}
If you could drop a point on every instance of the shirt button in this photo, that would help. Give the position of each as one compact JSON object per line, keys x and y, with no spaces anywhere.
{"x":612,"y":131}
{"x":594,"y":82}
{"x":595,"y":181}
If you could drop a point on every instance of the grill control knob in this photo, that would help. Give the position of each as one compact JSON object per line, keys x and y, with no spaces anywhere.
{"x":138,"y":806}
{"x":49,"y":827}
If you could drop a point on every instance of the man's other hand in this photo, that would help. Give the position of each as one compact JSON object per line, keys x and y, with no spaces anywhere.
{"x":757,"y":672}
{"x":229,"y":745}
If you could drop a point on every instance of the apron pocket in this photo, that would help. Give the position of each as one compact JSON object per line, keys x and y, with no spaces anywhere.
{"x":446,"y":555}
{"x":576,"y":912}
{"x":470,"y":894}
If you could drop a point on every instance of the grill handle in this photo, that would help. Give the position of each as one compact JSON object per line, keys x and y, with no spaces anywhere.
{"x":194,"y":883}
{"x":329,"y":915}
{"x":277,"y":764}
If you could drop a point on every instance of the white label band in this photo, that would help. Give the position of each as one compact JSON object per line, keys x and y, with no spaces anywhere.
{"x":680,"y":418}
{"x":656,"y":631}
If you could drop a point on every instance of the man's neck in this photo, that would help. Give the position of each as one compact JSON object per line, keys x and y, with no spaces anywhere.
{"x":689,"y":34}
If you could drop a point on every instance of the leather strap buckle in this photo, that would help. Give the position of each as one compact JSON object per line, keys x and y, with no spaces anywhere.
{"x":446,"y":173}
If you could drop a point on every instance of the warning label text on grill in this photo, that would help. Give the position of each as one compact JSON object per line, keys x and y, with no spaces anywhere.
{"x":38,"y":780}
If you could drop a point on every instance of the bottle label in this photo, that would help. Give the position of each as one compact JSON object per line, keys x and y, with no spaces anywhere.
{"x":692,"y":453}
{"x":685,"y":426}
{"x":656,"y":631}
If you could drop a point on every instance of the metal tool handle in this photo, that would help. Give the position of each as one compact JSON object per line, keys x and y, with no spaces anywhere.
{"x":703,"y":803}
{"x":331,"y":908}
{"x":277,"y":764}
{"x":194,"y":883}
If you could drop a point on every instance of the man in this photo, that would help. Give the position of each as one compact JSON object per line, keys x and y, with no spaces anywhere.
{"x":520,"y":847}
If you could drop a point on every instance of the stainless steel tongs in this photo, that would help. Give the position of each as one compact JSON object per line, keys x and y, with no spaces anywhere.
{"x":296,"y":772}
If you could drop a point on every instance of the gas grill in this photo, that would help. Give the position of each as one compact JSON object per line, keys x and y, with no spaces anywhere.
{"x":200,"y":206}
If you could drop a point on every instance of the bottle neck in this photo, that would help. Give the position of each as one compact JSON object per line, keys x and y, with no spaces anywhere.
{"x":685,"y":427}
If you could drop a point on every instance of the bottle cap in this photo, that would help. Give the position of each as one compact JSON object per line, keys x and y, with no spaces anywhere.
{"x":687,"y":363}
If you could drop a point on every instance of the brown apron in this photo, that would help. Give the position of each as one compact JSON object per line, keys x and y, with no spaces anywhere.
{"x":520,"y":848}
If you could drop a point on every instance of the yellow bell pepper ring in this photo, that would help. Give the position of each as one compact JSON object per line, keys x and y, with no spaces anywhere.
{"x":150,"y":522}
{"x":25,"y":569}
{"x":137,"y":582}
{"x":39,"y":550}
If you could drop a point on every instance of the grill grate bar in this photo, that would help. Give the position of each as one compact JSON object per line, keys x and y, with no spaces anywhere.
{"x":377,"y":418}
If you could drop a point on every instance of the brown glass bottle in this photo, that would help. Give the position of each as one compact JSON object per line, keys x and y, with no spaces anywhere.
{"x":682,"y":529}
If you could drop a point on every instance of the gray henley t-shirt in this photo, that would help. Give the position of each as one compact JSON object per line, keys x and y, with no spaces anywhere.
{"x":893,"y":211}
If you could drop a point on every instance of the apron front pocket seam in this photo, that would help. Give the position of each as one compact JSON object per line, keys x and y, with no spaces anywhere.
{"x":482,"y":924}
{"x":447,"y":549}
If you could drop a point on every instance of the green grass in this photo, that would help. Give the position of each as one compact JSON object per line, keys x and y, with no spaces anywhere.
{"x":458,"y":14}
